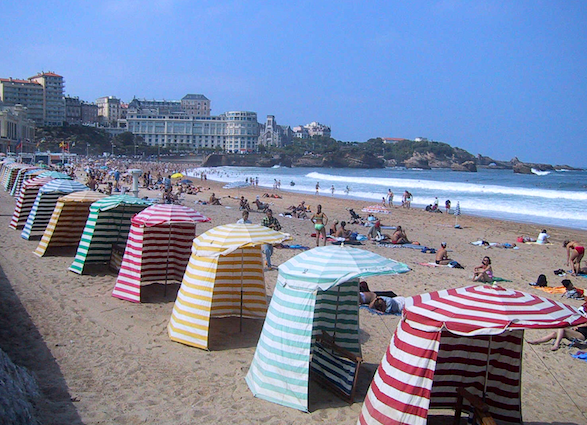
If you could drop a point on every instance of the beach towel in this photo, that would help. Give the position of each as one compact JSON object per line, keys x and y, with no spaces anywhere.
{"x":292,"y":247}
{"x":552,"y":289}
{"x":581,"y":355}
{"x":380,"y":313}
{"x":500,"y":279}
{"x":433,"y":265}
{"x":347,"y":242}
{"x":400,"y":245}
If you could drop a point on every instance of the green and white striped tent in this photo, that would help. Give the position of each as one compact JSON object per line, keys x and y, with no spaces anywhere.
{"x":108,"y":224}
{"x":45,"y":202}
{"x":317,"y":290}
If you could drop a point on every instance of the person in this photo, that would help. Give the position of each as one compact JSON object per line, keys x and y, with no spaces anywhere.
{"x":376,"y":234}
{"x":442,"y":255}
{"x":575,"y":253}
{"x":483,"y":273}
{"x":571,"y":291}
{"x":244,"y":219}
{"x":342,"y":233}
{"x":332,"y":190}
{"x":320,"y":220}
{"x":447,"y":206}
{"x":260,"y":205}
{"x":389,"y":198}
{"x":272,"y":223}
{"x":333,"y":228}
{"x":347,"y":189}
{"x":577,"y":333}
{"x":543,"y":237}
{"x":214,"y":200}
{"x":244,"y":204}
{"x":317,"y":187}
{"x":435,"y":204}
{"x":399,"y":236}
{"x":389,"y":305}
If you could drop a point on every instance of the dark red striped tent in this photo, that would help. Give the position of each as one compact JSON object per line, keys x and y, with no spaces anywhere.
{"x":469,"y":337}
{"x":158,"y":248}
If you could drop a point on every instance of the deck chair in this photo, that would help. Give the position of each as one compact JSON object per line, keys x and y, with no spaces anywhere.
{"x":479,"y":409}
{"x":334,"y":367}
{"x":355,"y":218}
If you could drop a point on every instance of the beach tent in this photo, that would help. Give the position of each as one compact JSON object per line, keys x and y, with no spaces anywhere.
{"x":7,"y":163}
{"x":22,"y":176}
{"x":224,"y":277}
{"x":12,"y":171}
{"x":317,"y":290}
{"x":108,"y":224}
{"x":68,"y":220}
{"x":26,"y":200}
{"x":158,"y":248}
{"x":468,"y":337}
{"x":45,"y":202}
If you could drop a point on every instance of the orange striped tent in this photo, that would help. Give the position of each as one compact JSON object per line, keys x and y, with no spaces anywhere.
{"x":68,"y":220}
{"x":157,"y":249}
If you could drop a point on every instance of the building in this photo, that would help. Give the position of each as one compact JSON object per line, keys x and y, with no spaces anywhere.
{"x":392,"y":139}
{"x":108,"y":110}
{"x":26,"y":93}
{"x":80,"y":112}
{"x":17,"y":131}
{"x":271,"y":134}
{"x":53,"y":99}
{"x":89,"y":113}
{"x":235,"y":131}
{"x":311,"y":130}
{"x":196,"y":105}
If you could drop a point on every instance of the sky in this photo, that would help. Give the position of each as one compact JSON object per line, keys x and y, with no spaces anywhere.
{"x":499,"y":78}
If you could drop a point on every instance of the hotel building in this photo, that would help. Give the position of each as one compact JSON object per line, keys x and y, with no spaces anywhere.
{"x":53,"y":99}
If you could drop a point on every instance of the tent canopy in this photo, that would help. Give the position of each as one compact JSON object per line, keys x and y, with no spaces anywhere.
{"x":468,"y":337}
{"x":159,"y":214}
{"x":317,"y":290}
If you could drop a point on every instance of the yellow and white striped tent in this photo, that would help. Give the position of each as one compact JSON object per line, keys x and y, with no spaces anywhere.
{"x":224,"y":278}
{"x":68,"y":220}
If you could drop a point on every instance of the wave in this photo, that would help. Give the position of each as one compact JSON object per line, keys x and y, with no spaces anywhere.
{"x":539,"y":172}
{"x":453,"y":188}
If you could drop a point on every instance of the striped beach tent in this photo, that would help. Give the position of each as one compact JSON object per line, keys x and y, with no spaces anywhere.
{"x":45,"y":202}
{"x":6,"y":166}
{"x":26,"y":200}
{"x":108,"y":224}
{"x":24,"y":175}
{"x":317,"y":290}
{"x":158,"y":248}
{"x":10,"y":177}
{"x":224,"y":278}
{"x":468,"y":337}
{"x":68,"y":220}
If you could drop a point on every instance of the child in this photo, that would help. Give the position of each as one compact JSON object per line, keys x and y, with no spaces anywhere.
{"x":571,"y":291}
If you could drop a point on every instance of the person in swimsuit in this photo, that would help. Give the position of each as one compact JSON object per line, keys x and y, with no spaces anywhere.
{"x":575,"y":253}
{"x":442,"y":255}
{"x":578,"y":333}
{"x":484,"y":273}
{"x":320,"y":220}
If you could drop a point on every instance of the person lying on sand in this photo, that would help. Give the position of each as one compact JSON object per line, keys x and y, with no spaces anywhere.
{"x":578,"y":333}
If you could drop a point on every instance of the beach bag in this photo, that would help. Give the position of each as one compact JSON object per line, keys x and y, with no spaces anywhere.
{"x":541,"y":281}
{"x":455,"y":265}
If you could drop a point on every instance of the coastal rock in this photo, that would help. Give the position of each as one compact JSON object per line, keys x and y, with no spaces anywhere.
{"x":468,"y":166}
{"x":417,"y":161}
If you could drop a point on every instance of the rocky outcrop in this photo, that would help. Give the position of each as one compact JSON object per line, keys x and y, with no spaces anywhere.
{"x":417,"y":161}
{"x":468,"y":166}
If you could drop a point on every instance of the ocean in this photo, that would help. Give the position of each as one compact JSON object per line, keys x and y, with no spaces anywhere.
{"x":557,"y":198}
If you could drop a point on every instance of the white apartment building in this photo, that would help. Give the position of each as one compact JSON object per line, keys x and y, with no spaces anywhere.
{"x":108,"y":110}
{"x":311,"y":130}
{"x":235,"y":131}
{"x":26,"y":93}
{"x":53,"y":99}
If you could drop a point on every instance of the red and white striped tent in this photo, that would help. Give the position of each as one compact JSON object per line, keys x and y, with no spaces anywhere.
{"x":158,"y":248}
{"x":468,"y":337}
{"x":26,"y":200}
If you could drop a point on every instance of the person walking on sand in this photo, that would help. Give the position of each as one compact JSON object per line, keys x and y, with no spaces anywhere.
{"x":320,"y":221}
{"x":575,"y":253}
{"x":389,"y":198}
{"x":483,"y":273}
{"x":317,"y":188}
{"x":332,"y":190}
{"x":272,"y":223}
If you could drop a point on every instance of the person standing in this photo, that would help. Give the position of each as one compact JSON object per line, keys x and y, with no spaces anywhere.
{"x":447,"y":206}
{"x":272,"y":223}
{"x":320,"y":221}
{"x":389,"y":198}
{"x":575,"y":253}
{"x":332,"y":190}
{"x":317,"y":188}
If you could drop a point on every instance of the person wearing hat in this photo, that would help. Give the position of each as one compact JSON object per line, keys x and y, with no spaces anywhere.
{"x":442,"y":255}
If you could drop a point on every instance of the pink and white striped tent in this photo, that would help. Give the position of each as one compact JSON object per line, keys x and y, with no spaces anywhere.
{"x":26,"y":200}
{"x":158,"y":248}
{"x":469,"y":337}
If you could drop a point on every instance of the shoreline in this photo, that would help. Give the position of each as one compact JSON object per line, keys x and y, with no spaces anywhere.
{"x":113,"y":362}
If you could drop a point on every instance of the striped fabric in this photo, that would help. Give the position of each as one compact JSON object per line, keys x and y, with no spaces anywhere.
{"x":447,"y":339}
{"x":23,"y":174}
{"x":10,"y":177}
{"x":158,"y":248}
{"x":224,"y":277}
{"x":212,"y":287}
{"x":68,"y":220}
{"x":336,"y":369}
{"x":317,"y":290}
{"x":108,"y":223}
{"x":45,"y":202}
{"x":26,"y":200}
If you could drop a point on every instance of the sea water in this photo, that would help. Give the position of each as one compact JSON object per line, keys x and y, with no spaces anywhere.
{"x":557,"y":198}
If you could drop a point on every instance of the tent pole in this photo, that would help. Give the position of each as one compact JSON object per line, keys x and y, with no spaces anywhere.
{"x":487,"y":367}
{"x":336,"y":313}
{"x":242,"y":265}
{"x":167,"y":263}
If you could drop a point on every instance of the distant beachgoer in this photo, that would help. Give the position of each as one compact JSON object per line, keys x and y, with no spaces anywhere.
{"x":342,"y":233}
{"x":317,"y":187}
{"x":399,"y":236}
{"x":320,"y":220}
{"x":272,"y":223}
{"x":333,"y":228}
{"x":214,"y":200}
{"x":435,"y":204}
{"x":332,"y":190}
{"x":442,"y":255}
{"x":447,"y":206}
{"x":543,"y":237}
{"x":389,"y":198}
{"x":571,"y":291}
{"x":244,"y":219}
{"x":575,"y":253}
{"x":483,"y":273}
{"x":347,"y":190}
{"x":376,"y":234}
{"x":578,"y":333}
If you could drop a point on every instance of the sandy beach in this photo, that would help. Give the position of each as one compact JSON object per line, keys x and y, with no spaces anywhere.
{"x":102,"y":360}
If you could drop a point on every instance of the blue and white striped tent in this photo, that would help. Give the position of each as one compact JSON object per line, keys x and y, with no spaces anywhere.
{"x":45,"y":202}
{"x":317,"y":290}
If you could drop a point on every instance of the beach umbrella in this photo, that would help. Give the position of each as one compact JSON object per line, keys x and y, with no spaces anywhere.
{"x":376,"y":209}
{"x":177,"y":176}
{"x":55,"y":175}
{"x":468,"y":337}
{"x":457,"y":213}
{"x":186,"y":181}
{"x":104,"y":167}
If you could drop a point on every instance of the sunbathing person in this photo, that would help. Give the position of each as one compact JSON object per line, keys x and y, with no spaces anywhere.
{"x":442,"y":255}
{"x":342,"y":233}
{"x":260,"y":205}
{"x":578,"y":333}
{"x":214,"y":200}
{"x":333,"y":228}
{"x":571,"y":291}
{"x":399,"y":236}
{"x":483,"y":273}
{"x":244,"y":204}
{"x":384,"y":301}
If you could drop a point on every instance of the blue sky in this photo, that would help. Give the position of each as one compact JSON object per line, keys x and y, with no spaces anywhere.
{"x":500,"y":78}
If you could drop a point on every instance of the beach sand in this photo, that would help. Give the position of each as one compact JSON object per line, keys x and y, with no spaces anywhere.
{"x":101,"y":360}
